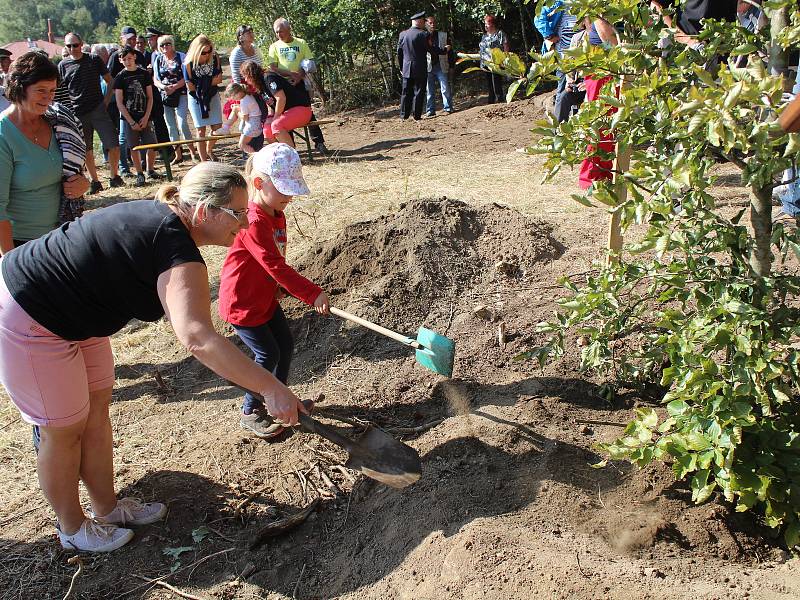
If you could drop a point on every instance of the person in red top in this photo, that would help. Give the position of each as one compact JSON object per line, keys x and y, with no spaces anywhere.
{"x":255,"y":275}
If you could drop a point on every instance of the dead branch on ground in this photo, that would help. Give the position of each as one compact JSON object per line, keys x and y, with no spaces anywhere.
{"x":283,"y":525}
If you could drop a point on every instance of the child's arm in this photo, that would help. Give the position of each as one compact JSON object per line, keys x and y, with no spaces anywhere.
{"x":146,"y":118}
{"x":259,"y":240}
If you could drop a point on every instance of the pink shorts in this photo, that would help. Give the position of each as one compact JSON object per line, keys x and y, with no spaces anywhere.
{"x":49,"y":378}
{"x":293,"y":118}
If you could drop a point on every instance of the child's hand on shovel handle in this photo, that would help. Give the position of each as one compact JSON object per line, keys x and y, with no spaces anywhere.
{"x":283,"y":405}
{"x":322,"y":304}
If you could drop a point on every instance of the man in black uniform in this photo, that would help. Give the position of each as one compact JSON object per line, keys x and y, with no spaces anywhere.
{"x":412,"y":53}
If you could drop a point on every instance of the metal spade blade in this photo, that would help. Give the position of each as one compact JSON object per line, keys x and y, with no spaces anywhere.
{"x":375,"y":453}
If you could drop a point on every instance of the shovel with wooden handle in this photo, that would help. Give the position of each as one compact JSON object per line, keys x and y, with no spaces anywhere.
{"x":375,"y":453}
{"x":433,"y":351}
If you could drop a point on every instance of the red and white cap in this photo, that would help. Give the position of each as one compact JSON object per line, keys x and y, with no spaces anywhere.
{"x":281,"y":163}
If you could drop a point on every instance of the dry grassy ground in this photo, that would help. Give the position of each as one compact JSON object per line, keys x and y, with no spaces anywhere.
{"x":508,"y":506}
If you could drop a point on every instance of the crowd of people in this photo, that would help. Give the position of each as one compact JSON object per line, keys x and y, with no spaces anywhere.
{"x":68,"y":283}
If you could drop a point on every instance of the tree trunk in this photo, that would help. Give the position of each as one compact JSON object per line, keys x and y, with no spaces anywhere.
{"x":525,"y":46}
{"x":761,"y":198}
{"x":761,"y":219}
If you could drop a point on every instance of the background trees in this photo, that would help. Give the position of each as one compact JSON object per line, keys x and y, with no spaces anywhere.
{"x":93,"y":19}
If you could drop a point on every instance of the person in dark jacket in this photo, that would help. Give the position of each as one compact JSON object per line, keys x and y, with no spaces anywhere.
{"x":412,"y":53}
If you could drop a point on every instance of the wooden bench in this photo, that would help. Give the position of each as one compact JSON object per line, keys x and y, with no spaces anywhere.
{"x":306,"y":135}
{"x":163,"y":147}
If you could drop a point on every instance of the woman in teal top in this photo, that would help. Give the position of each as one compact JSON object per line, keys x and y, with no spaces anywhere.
{"x":30,"y":158}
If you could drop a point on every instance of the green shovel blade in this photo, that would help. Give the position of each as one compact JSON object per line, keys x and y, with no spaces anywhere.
{"x":437,"y":353}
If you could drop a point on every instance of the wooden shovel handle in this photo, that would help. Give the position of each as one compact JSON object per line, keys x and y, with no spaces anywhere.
{"x":376,"y":328}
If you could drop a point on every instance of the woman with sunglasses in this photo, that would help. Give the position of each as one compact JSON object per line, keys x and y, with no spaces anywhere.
{"x":63,"y":295}
{"x":203,"y":74}
{"x":168,"y":78}
{"x":245,"y":50}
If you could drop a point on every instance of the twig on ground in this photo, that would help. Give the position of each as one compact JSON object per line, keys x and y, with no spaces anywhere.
{"x":11,"y":422}
{"x":419,"y":429}
{"x":8,"y":520}
{"x":219,"y":533}
{"x":344,"y":471}
{"x":244,"y":503}
{"x":593,"y":422}
{"x":335,"y":490}
{"x":578,"y":558}
{"x":72,"y":561}
{"x":162,"y":386}
{"x":192,"y":566}
{"x":172,"y":589}
{"x":282,"y":526}
{"x":297,"y":226}
{"x":354,"y":422}
{"x":322,"y":453}
{"x":347,"y":510}
{"x":299,"y":579}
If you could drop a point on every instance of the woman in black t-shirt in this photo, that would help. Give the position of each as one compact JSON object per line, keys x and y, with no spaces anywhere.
{"x":291,"y":105}
{"x":62,"y":295}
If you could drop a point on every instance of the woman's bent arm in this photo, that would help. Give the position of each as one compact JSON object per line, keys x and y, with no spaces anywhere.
{"x":184,"y":293}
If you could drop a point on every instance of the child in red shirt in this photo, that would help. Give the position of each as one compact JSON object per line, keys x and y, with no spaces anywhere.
{"x":255,"y":275}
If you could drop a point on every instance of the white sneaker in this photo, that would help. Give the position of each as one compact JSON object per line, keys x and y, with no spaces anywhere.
{"x":95,"y":537}
{"x":130,"y":511}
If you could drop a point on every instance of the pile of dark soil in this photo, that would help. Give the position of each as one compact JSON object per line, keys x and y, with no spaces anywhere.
{"x":406,"y":267}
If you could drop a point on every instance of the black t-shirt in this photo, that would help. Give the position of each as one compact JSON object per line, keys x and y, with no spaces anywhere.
{"x":114,"y":66}
{"x":296,"y":95}
{"x":82,"y":79}
{"x":134,"y":90}
{"x":91,"y":276}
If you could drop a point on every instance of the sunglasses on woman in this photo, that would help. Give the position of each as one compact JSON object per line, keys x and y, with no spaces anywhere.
{"x":73,"y":45}
{"x":236,"y":214}
{"x":165,"y":44}
{"x":205,"y":52}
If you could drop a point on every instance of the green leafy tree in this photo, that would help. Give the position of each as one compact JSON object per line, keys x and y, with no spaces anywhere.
{"x":697,"y":305}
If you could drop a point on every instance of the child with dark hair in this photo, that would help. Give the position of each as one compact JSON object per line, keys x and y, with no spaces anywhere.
{"x":133,"y":87}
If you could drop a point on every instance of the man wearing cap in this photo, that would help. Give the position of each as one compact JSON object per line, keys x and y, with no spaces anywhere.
{"x":5,"y":63}
{"x":413,"y":47}
{"x":285,"y":57}
{"x":152,"y":34}
{"x":80,"y":75}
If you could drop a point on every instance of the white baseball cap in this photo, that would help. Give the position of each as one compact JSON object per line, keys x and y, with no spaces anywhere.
{"x":281,"y":163}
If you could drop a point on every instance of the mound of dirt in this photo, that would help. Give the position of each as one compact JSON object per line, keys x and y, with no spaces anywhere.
{"x":401,"y":268}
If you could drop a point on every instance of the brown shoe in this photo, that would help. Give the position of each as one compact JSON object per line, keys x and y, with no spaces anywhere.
{"x":261,"y":424}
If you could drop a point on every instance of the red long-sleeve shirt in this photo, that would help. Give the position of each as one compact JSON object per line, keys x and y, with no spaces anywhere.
{"x":254,"y":269}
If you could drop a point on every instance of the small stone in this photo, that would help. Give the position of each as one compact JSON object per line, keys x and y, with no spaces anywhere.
{"x":483,"y":312}
{"x":582,"y":341}
{"x":586,"y":430}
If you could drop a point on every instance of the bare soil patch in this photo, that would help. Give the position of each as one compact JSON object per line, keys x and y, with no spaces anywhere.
{"x":408,"y":224}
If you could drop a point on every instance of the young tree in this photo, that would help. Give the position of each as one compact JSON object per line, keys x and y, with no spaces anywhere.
{"x":697,"y":304}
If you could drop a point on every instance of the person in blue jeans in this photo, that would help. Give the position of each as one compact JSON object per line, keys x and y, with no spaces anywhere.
{"x":438,"y":71}
{"x":557,"y":27}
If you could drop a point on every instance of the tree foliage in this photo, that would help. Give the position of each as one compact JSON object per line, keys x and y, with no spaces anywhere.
{"x":28,"y":18}
{"x":696,"y":304}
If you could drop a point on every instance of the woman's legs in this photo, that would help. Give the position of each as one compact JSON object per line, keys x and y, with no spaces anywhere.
{"x":211,"y":143}
{"x":97,"y":457}
{"x":59,"y":464}
{"x":202,"y":147}
{"x":182,"y":113}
